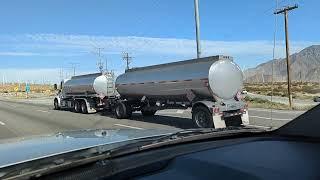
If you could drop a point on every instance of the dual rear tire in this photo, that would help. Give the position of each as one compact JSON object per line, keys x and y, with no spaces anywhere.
{"x":80,"y":106}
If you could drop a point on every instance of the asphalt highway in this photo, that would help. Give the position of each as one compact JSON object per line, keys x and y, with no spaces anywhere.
{"x":21,"y":119}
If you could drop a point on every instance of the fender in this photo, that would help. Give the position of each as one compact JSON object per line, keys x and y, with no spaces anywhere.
{"x":208,"y":104}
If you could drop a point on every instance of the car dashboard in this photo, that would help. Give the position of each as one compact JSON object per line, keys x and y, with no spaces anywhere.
{"x":263,"y":157}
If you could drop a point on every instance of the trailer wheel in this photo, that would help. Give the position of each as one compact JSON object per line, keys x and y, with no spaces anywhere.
{"x":148,"y":112}
{"x":202,"y":117}
{"x":77,"y":107}
{"x":56,"y":104}
{"x":84,"y":108}
{"x":120,"y":110}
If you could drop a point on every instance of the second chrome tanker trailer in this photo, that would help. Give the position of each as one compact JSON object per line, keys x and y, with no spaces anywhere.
{"x":210,"y":86}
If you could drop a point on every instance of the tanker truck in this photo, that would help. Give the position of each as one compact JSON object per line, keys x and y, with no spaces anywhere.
{"x":210,"y":86}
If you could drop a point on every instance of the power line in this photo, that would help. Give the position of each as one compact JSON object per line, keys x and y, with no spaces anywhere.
{"x":273,"y":58}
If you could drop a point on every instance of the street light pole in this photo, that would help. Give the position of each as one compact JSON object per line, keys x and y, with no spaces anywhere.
{"x":196,"y":14}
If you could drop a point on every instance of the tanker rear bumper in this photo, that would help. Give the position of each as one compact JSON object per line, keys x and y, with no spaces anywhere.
{"x":226,"y":114}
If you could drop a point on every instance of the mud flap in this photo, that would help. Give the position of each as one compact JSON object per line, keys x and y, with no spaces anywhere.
{"x":245,"y":118}
{"x":218,"y":121}
{"x":90,"y":105}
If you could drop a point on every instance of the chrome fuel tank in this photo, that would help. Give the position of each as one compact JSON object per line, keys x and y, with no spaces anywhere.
{"x":90,"y":84}
{"x":206,"y":77}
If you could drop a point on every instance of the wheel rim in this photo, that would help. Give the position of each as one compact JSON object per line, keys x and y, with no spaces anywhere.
{"x":201,"y":119}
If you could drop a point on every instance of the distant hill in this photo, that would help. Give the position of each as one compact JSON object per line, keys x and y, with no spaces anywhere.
{"x":305,"y":66}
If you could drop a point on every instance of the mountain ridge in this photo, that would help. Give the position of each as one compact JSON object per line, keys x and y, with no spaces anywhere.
{"x":304,"y":65}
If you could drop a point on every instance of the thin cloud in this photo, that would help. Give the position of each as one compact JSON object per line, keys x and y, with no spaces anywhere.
{"x":59,"y":44}
{"x":14,"y":53}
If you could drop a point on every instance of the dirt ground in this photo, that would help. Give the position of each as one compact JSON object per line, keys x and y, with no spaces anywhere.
{"x":300,"y":90}
{"x":18,"y":91}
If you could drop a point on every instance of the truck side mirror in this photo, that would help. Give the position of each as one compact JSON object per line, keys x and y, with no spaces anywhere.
{"x":55,"y":86}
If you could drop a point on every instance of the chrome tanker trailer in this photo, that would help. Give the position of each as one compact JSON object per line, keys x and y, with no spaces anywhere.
{"x":86,"y":93}
{"x":210,"y":86}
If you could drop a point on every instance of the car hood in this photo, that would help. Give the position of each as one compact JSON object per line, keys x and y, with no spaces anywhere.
{"x":15,"y":151}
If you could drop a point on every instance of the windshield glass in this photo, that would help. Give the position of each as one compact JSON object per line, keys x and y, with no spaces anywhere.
{"x":153,"y":67}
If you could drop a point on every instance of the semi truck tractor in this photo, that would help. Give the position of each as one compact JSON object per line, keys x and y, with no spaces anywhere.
{"x":210,"y":87}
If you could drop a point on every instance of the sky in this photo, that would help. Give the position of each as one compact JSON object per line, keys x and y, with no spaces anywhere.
{"x":39,"y":38}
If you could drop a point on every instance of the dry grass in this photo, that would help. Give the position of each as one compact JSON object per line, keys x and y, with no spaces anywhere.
{"x":305,"y":90}
{"x":36,"y":90}
{"x":266,"y":104}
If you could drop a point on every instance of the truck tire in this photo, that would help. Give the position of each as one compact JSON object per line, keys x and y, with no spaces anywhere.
{"x":202,"y":118}
{"x":77,"y":107}
{"x":121,"y":110}
{"x":84,"y":108}
{"x":56,"y":104}
{"x":128,"y":110}
{"x":148,"y":112}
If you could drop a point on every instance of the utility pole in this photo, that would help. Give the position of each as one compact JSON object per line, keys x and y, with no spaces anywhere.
{"x":106,"y":65}
{"x":61,"y":74}
{"x":73,"y":66}
{"x":300,"y":77}
{"x":197,"y":20}
{"x":100,"y":63}
{"x":285,"y":12}
{"x":127,"y":58}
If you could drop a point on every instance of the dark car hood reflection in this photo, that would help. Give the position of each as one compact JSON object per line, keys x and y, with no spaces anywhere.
{"x":15,"y":151}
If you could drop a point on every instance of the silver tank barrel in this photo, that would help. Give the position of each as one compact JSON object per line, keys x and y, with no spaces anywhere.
{"x":90,"y":84}
{"x":205,"y":77}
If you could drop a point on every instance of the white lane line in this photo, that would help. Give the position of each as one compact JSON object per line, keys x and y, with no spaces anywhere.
{"x":2,"y":123}
{"x":267,"y":127}
{"x":276,"y":119}
{"x":276,"y":111}
{"x":132,"y":127}
{"x":12,"y":105}
{"x":180,"y":111}
{"x":42,"y":111}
